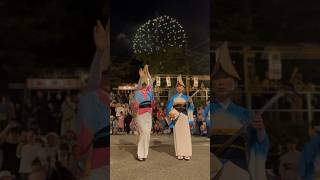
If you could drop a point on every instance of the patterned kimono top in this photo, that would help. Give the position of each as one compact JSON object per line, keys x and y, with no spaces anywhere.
{"x":248,"y":151}
{"x":181,"y":104}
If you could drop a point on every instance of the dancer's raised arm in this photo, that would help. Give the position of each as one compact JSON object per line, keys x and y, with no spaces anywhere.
{"x":101,"y":60}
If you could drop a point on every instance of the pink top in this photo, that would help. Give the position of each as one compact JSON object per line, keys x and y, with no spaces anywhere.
{"x":144,"y":95}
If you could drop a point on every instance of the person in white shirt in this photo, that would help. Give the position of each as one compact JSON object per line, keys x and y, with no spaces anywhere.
{"x":289,"y":162}
{"x":27,"y":152}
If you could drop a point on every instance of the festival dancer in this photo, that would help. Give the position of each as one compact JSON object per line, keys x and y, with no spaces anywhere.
{"x":309,"y":165}
{"x":177,"y":110}
{"x":206,"y":116}
{"x":245,"y":158}
{"x":93,"y":113}
{"x":143,"y":104}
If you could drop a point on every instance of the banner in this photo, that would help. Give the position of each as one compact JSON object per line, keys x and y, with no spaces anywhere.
{"x":158,"y":81}
{"x":52,"y":84}
{"x":168,"y":81}
{"x":275,"y":66}
{"x":195,"y":82}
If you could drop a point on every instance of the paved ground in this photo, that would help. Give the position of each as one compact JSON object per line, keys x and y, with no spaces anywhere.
{"x":161,"y":163}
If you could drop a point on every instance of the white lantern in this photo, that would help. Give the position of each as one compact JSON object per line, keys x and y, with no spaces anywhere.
{"x":158,"y":81}
{"x":195,"y":82}
{"x":168,"y":81}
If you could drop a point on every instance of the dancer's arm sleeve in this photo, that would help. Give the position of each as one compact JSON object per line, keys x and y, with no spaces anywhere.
{"x":205,"y":115}
{"x":169,"y":105}
{"x":94,"y":77}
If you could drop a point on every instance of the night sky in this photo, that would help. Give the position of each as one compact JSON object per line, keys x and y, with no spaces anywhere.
{"x":49,"y":33}
{"x":36,"y":34}
{"x":127,"y":16}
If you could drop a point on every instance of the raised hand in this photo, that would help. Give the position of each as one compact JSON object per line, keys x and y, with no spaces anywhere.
{"x":141,"y":73}
{"x":102,"y":36}
{"x":146,"y":69}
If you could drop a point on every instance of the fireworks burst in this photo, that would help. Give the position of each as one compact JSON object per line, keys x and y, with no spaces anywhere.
{"x":159,"y":34}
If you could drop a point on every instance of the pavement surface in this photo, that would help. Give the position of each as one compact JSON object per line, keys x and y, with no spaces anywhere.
{"x":161,"y":163}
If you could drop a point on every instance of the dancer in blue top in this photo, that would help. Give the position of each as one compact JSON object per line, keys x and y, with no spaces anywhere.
{"x":309,"y":166}
{"x":206,"y":116}
{"x":245,"y":157}
{"x":180,"y":109}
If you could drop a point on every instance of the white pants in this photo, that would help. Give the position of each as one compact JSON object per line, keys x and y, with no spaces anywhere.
{"x":144,"y":122}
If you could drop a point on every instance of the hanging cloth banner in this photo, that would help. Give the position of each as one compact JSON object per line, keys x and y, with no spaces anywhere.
{"x":275,"y":66}
{"x":168,"y":81}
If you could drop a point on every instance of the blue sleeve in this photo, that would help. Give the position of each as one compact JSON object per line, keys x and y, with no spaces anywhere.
{"x":94,"y":76}
{"x":205,"y":114}
{"x":169,"y":105}
{"x":260,"y":148}
{"x":307,"y":160}
{"x":190,"y":105}
{"x":190,"y":109}
{"x":136,"y":96}
{"x":303,"y":164}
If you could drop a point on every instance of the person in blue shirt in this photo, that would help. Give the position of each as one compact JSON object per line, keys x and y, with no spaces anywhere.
{"x":245,"y":157}
{"x":180,"y":109}
{"x":309,"y":165}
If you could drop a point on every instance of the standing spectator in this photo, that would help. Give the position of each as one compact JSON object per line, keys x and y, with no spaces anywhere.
{"x":309,"y":164}
{"x":113,"y":108}
{"x":289,"y":162}
{"x":296,"y":81}
{"x":199,"y":121}
{"x":51,"y":150}
{"x":42,"y":112}
{"x":119,"y":109}
{"x":68,"y":110}
{"x":127,"y":122}
{"x":114,"y":124}
{"x":27,"y":113}
{"x":9,"y":148}
{"x":64,"y":155}
{"x":70,"y":139}
{"x":73,"y":166}
{"x":5,"y":112}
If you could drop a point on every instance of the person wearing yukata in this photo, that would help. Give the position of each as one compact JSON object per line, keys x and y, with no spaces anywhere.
{"x":309,"y":164}
{"x":245,"y":157}
{"x":143,"y":104}
{"x":93,"y":113}
{"x":180,"y":109}
{"x":206,"y":116}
